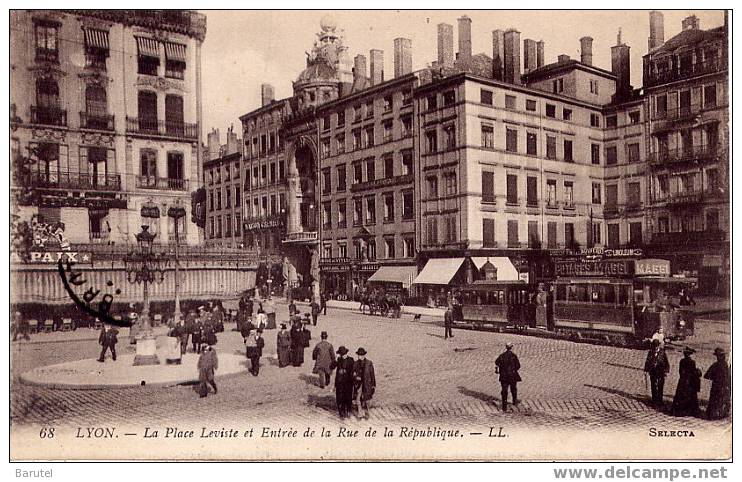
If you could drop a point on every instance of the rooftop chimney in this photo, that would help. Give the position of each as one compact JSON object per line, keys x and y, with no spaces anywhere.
{"x":445,"y":45}
{"x":621,"y":68}
{"x":539,"y":53}
{"x":359,"y":67}
{"x":563,"y":58}
{"x":529,"y":55}
{"x":233,"y":143}
{"x":465,"y":41}
{"x":586,"y":50}
{"x":498,"y":54}
{"x":377,"y":66}
{"x":691,"y":23}
{"x":402,"y":56}
{"x":266,"y":94}
{"x":213,"y":144}
{"x":511,"y":71}
{"x":656,"y":29}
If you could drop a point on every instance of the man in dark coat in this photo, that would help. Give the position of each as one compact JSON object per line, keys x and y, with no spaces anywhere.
{"x":315,"y":312}
{"x":689,"y":384}
{"x":107,"y":340}
{"x":365,"y":381}
{"x":292,"y":309}
{"x":190,"y":324}
{"x":197,"y":331}
{"x":448,"y":323}
{"x":254,"y":350}
{"x":344,"y":382}
{"x":283,"y":346}
{"x":181,"y":334}
{"x":323,"y":303}
{"x":507,"y":365}
{"x":324,"y":360}
{"x":297,"y":344}
{"x":721,"y":387}
{"x":657,"y":366}
{"x":207,"y":365}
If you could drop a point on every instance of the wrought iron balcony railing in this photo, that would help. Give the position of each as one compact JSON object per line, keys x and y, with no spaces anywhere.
{"x":164,"y":183}
{"x":102,"y":122}
{"x":51,"y":116}
{"x":155,"y":127}
{"x":699,"y":68}
{"x":684,"y":154}
{"x":76,"y":180}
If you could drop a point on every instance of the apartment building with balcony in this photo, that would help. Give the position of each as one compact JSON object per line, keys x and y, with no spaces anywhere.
{"x":366,"y":179}
{"x":686,"y":83}
{"x":264,"y":176}
{"x":223,"y":185}
{"x":107,"y":107}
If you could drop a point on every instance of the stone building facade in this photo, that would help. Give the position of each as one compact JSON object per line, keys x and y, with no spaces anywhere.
{"x":107,"y":106}
{"x":223,"y":186}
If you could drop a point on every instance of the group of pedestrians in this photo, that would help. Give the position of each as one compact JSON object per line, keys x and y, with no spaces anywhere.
{"x":355,"y":380}
{"x":200,"y":327}
{"x":685,"y":402}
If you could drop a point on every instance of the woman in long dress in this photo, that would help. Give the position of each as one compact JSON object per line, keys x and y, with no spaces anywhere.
{"x":689,"y":384}
{"x":283,"y":344}
{"x":721,"y":385}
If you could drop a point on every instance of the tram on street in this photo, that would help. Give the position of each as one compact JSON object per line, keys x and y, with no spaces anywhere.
{"x":609,"y":300}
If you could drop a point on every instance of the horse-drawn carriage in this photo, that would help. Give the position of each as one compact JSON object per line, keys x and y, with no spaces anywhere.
{"x":385,"y":305}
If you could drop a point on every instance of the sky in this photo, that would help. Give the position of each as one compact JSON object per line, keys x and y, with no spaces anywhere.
{"x":246,"y":48}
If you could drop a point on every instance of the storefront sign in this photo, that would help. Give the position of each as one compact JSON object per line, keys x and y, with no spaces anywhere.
{"x":712,"y":260}
{"x":331,"y":261}
{"x":652,"y":267}
{"x":594,"y":268}
{"x":263,"y":224}
{"x":367,"y":267}
{"x":53,"y":257}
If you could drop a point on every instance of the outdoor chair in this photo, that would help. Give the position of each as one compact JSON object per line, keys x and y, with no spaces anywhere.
{"x":33,"y":326}
{"x":67,"y":324}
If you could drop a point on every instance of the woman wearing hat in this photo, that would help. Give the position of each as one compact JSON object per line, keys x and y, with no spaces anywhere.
{"x":365,"y":381}
{"x":689,"y":384}
{"x":344,"y":382}
{"x":721,"y":385}
{"x":283,"y":346}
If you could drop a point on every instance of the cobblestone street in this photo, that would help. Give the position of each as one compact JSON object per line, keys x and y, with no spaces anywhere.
{"x":420,"y":375}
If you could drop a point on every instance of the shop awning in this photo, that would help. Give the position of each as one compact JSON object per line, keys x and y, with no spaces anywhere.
{"x":175,"y":52}
{"x":395,"y":274}
{"x":148,"y":47}
{"x":95,"y":38}
{"x":439,"y":271}
{"x":506,"y":271}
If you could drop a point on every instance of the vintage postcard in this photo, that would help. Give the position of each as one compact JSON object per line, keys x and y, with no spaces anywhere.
{"x":370,"y":235}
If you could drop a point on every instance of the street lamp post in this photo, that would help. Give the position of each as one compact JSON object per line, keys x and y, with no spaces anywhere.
{"x":176,"y":212}
{"x":142,"y":266}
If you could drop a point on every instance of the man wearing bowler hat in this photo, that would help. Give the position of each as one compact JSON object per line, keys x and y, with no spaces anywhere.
{"x":657,"y":366}
{"x":365,"y":381}
{"x":344,"y":382}
{"x":507,"y":365}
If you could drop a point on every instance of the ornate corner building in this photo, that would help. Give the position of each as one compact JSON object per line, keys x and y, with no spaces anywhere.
{"x":106,"y":109}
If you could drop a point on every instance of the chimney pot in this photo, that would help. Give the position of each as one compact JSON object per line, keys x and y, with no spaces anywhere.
{"x":656,"y":30}
{"x":512,"y":56}
{"x":539,"y":54}
{"x":586,"y":50}
{"x":498,"y":54}
{"x":377,"y":66}
{"x":691,"y":23}
{"x":464,"y":55}
{"x":266,"y":94}
{"x":563,"y":58}
{"x":445,"y":45}
{"x":529,"y":55}
{"x":402,"y":56}
{"x":359,"y":67}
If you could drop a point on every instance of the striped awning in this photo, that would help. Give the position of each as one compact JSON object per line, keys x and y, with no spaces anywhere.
{"x":148,"y":47}
{"x":439,"y":271}
{"x":176,"y":52}
{"x":395,"y":274}
{"x":95,"y":38}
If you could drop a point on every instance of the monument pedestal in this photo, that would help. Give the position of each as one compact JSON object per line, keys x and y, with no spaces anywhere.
{"x":146,"y":351}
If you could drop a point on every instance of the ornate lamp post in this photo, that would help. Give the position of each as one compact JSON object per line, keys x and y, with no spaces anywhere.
{"x":142,"y":266}
{"x":176,"y":212}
